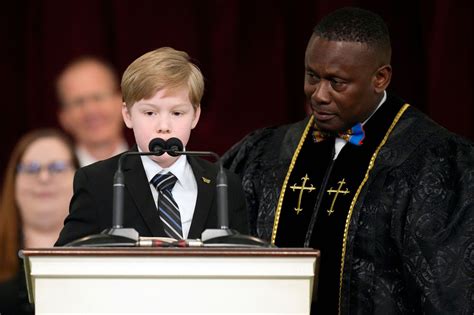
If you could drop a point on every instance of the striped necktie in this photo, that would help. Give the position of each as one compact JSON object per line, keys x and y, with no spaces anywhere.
{"x":167,"y":206}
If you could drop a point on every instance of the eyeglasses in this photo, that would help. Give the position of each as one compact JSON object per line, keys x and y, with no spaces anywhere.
{"x":35,"y":168}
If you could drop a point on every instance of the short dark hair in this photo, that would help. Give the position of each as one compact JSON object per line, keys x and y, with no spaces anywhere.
{"x":351,"y":24}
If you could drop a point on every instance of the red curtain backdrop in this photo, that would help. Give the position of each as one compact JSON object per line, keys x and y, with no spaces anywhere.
{"x":251,"y":54}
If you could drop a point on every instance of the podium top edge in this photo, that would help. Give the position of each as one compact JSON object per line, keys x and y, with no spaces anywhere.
{"x":157,"y":251}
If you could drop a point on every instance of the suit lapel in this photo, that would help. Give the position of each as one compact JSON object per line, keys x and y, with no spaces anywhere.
{"x":206,"y":184}
{"x":137,"y":186}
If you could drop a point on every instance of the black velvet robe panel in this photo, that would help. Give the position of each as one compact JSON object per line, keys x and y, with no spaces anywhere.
{"x":330,"y":186}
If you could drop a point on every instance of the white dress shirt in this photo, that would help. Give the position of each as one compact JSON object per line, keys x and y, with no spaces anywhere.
{"x":184,"y":191}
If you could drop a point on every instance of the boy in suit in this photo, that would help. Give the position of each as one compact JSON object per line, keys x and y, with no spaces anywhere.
{"x":164,"y":195}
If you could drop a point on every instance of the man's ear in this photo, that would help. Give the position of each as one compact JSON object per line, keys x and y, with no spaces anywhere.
{"x":382,"y":78}
{"x":197,"y":114}
{"x":127,"y":116}
{"x":64,"y":119}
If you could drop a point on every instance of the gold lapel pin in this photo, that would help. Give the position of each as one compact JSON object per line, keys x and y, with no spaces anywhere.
{"x":206,"y":180}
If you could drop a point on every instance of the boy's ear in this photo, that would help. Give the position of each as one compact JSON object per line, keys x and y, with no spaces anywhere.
{"x":197,"y":114}
{"x":126,"y":116}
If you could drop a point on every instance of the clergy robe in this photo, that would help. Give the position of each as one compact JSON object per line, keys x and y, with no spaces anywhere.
{"x":393,"y":218}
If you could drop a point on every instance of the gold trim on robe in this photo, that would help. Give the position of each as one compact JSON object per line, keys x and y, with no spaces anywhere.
{"x":356,"y":195}
{"x":309,"y":125}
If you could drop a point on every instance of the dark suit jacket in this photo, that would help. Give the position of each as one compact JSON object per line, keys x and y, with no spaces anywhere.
{"x":91,"y":206}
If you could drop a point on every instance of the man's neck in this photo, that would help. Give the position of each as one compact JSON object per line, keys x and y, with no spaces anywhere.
{"x":102,"y":151}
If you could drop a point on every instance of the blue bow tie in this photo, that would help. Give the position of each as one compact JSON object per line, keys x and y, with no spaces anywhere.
{"x":355,"y":135}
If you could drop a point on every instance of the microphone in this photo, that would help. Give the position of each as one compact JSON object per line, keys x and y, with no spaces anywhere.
{"x":117,"y":235}
{"x":222,"y":236}
{"x":174,"y":145}
{"x":157,"y":146}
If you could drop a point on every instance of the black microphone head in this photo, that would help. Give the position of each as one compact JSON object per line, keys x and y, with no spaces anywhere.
{"x":157,"y":145}
{"x":173,"y":145}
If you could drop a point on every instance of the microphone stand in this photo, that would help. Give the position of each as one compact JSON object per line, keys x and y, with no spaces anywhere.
{"x":117,"y":235}
{"x":222,"y":236}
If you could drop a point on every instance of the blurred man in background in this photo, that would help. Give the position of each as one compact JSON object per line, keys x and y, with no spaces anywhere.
{"x":90,"y":109}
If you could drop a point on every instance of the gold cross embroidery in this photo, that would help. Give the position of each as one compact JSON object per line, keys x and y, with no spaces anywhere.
{"x":302,"y":188}
{"x":337,"y":192}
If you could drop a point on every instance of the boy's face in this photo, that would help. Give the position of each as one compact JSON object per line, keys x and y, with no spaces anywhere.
{"x":167,"y":114}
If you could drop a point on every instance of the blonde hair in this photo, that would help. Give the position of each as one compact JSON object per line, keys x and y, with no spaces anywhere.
{"x":159,"y":69}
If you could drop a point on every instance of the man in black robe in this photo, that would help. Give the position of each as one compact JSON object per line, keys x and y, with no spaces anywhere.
{"x":384,"y":192}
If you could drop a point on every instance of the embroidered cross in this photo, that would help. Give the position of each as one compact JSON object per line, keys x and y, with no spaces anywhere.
{"x":337,"y":192}
{"x":302,"y":188}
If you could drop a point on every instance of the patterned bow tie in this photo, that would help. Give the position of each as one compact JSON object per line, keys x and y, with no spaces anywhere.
{"x":355,"y":135}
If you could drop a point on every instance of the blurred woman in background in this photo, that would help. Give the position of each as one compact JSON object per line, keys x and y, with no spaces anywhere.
{"x":34,"y":202}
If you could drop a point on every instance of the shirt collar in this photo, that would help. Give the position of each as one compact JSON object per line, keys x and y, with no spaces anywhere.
{"x":152,"y":168}
{"x":340,"y":143}
{"x":384,"y":98}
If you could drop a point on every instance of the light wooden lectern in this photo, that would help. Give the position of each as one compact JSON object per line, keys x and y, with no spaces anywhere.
{"x":171,"y":280}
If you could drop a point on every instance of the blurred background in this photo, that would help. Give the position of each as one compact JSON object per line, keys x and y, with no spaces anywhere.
{"x":251,"y":54}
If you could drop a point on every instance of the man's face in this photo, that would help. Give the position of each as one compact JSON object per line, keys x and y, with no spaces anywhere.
{"x":91,"y":110}
{"x":167,"y":114}
{"x":343,"y":83}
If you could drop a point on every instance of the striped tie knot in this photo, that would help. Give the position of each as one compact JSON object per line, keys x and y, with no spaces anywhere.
{"x":164,"y":182}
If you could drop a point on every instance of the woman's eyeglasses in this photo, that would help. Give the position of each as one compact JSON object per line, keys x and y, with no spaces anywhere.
{"x":34,"y":168}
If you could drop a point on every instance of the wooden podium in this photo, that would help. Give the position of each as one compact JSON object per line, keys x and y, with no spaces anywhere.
{"x":171,"y":280}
